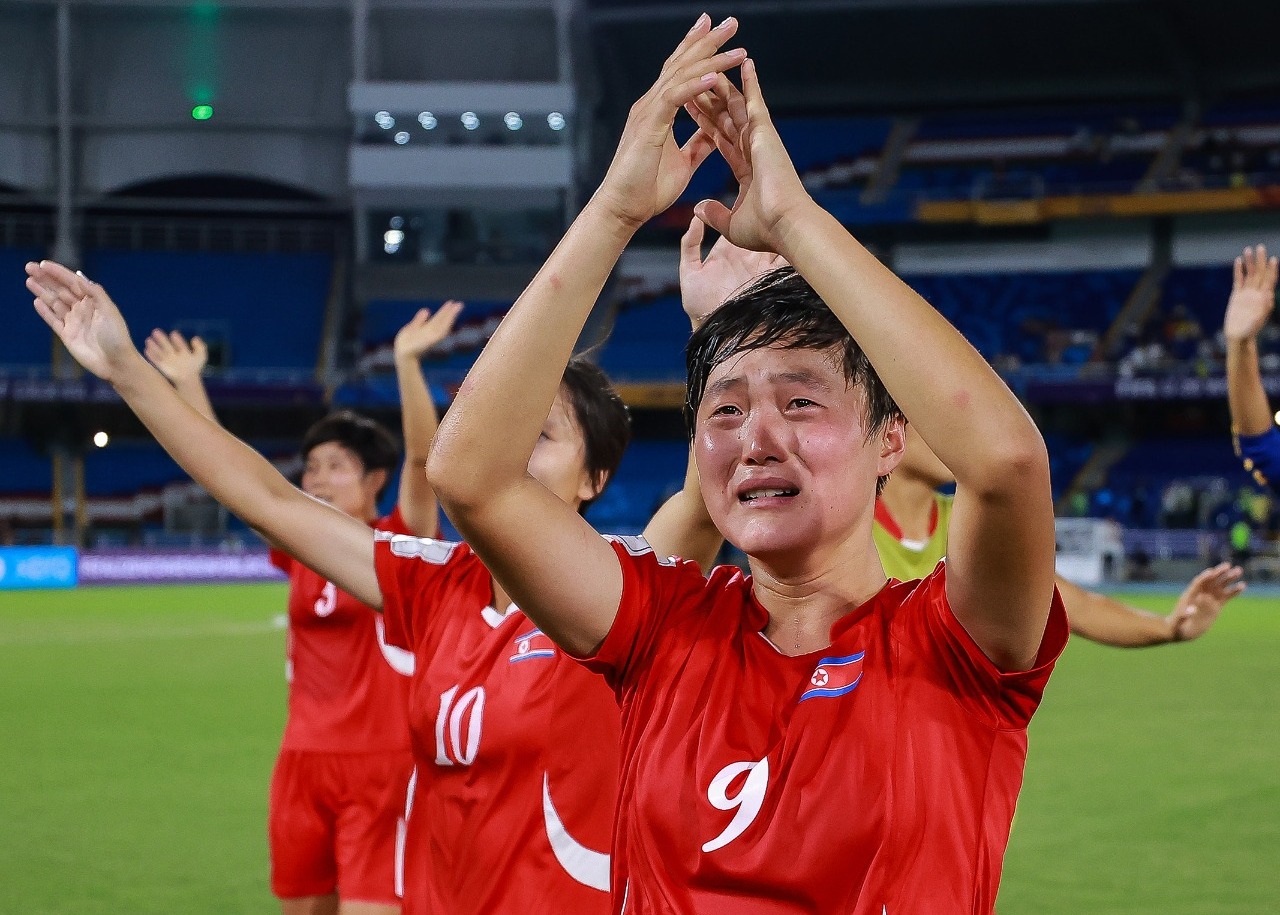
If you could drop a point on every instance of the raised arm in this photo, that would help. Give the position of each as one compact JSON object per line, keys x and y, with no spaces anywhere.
{"x":416,"y":499}
{"x":1253,"y":296}
{"x":479,"y":464}
{"x":183,"y":364}
{"x":1000,"y":559}
{"x":333,"y":543}
{"x":1105,"y":620}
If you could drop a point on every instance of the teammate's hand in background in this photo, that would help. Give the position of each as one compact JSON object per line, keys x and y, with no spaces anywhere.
{"x":83,"y":316}
{"x":706,"y":284}
{"x":650,"y":170}
{"x":1253,"y":295}
{"x":177,"y":359}
{"x":425,"y":330}
{"x":1200,"y":605}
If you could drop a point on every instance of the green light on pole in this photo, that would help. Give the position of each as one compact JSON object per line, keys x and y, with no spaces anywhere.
{"x":202,"y":112}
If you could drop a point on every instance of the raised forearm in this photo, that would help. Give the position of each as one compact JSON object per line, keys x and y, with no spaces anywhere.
{"x":320,"y":536}
{"x":419,"y":420}
{"x":192,"y":390}
{"x":1107,"y":621}
{"x":961,"y":407}
{"x":683,"y":527}
{"x":1246,"y":397}
{"x":485,"y":439}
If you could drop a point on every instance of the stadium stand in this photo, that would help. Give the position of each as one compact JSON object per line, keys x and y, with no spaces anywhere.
{"x":30,"y":343}
{"x":267,"y":308}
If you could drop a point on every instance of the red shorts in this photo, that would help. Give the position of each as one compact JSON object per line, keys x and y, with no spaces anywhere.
{"x":333,"y":824}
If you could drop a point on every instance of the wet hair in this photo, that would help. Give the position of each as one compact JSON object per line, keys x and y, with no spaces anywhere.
{"x":780,"y":309}
{"x":365,"y":438}
{"x":602,"y":417}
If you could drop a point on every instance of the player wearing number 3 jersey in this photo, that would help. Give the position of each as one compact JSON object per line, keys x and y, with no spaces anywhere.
{"x":810,"y":738}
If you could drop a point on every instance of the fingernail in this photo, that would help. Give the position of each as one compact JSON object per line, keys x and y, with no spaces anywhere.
{"x":726,"y":22}
{"x":699,"y":21}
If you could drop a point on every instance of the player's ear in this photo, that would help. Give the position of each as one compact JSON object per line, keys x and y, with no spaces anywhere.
{"x":893,"y":445}
{"x":376,"y":479}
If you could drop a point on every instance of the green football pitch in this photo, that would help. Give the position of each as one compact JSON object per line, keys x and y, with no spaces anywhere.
{"x":138,"y":728}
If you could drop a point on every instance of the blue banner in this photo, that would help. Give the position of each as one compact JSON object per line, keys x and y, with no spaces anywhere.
{"x":23,"y":567}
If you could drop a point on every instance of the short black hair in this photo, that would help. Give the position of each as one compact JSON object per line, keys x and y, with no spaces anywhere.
{"x":368,"y":439}
{"x":781,"y":309}
{"x":602,"y":417}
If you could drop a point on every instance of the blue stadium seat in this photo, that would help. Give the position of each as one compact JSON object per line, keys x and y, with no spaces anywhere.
{"x":271,"y":304}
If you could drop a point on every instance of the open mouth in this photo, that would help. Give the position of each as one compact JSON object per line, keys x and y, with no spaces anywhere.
{"x":773,"y":492}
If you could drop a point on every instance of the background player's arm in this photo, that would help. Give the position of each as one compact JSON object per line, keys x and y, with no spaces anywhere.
{"x":418,"y":417}
{"x":559,"y":571}
{"x":320,"y":536}
{"x":1108,"y":621}
{"x":683,"y":527}
{"x":183,"y":363}
{"x":1001,"y":553}
{"x":1253,"y":296}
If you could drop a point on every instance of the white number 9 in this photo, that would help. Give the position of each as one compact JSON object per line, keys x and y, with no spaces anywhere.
{"x":747,"y":801}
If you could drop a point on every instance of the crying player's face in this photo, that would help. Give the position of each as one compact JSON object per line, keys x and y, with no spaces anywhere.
{"x":558,"y":461}
{"x":782,"y":451}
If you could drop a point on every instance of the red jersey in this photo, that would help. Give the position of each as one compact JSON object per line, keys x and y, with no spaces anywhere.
{"x":875,"y":776}
{"x":348,"y":689}
{"x":516,"y":747}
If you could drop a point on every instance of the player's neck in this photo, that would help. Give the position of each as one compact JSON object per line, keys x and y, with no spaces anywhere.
{"x":910,"y":502}
{"x":804,"y":599}
{"x":501,"y":599}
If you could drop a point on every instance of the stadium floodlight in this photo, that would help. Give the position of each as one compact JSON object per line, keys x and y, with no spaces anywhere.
{"x":555,"y":120}
{"x":427,"y":120}
{"x":402,"y":137}
{"x":384,"y":120}
{"x":1278,"y":416}
{"x":469,"y":120}
{"x":202,"y":112}
{"x":396,"y":222}
{"x":393,"y":237}
{"x":100,"y":439}
{"x":513,"y":120}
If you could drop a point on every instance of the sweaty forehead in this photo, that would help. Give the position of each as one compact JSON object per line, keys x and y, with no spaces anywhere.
{"x":773,"y":365}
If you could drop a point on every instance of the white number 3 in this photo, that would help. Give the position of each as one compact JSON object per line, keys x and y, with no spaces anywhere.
{"x":748,"y":800}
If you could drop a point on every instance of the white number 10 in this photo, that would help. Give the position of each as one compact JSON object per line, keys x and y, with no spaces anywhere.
{"x":452,"y":748}
{"x":747,"y":801}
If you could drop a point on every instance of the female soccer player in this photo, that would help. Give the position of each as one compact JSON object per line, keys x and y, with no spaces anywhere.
{"x":516,"y":745}
{"x":337,"y":792}
{"x":911,"y":531}
{"x":1253,"y":296}
{"x":805,"y":739}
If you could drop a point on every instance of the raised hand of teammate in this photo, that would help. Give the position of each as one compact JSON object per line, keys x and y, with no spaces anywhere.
{"x":650,"y":170}
{"x":1253,"y":294}
{"x":426,"y":330}
{"x":178,"y":359}
{"x":768,"y":184}
{"x":85,"y":319}
{"x":1201,"y":603}
{"x":705,"y":284}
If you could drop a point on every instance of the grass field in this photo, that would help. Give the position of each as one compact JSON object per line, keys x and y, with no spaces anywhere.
{"x":138,"y":728}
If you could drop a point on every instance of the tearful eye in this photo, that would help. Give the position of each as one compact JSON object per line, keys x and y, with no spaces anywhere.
{"x":800,"y":402}
{"x":726,"y":410}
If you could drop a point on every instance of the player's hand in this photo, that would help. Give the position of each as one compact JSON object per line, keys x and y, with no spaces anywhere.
{"x":1201,"y":603}
{"x":650,"y":170}
{"x":426,"y":330}
{"x":706,"y":284}
{"x":769,"y":189}
{"x":83,"y":316}
{"x":1253,"y":295}
{"x":175,"y":357}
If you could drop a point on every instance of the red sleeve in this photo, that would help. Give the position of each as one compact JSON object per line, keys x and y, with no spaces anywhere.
{"x":281,"y":560}
{"x":653,"y":590}
{"x":393,"y":523}
{"x":1006,"y":699}
{"x":410,"y":571}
